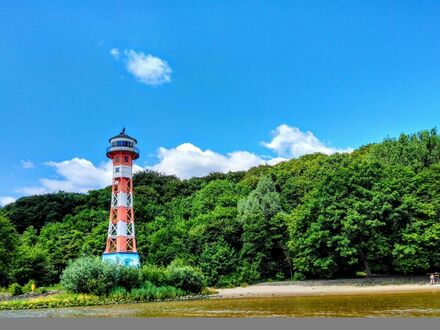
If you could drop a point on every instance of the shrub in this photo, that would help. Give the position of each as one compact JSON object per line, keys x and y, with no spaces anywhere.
{"x":228,"y":281}
{"x":118,"y":293}
{"x":89,"y":275}
{"x":154,"y":274}
{"x":299,"y":277}
{"x":15,"y":289}
{"x":28,"y":286}
{"x":138,"y":294}
{"x":249,"y":272}
{"x":127,"y":277}
{"x":186,"y":278}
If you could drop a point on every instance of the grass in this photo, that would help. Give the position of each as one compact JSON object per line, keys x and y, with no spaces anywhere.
{"x":148,"y":292}
{"x":53,"y":301}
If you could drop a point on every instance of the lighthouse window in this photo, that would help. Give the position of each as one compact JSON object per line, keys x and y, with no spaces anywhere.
{"x":117,"y":159}
{"x":122,"y":144}
{"x":116,"y":169}
{"x":126,"y":159}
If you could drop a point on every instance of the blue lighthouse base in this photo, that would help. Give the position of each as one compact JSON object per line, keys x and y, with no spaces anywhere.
{"x":127,"y":259}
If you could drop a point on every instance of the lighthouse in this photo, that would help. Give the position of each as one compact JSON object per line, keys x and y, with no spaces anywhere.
{"x":121,"y":240}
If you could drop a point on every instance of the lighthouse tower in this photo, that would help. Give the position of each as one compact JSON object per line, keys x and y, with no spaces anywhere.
{"x":121,"y":240}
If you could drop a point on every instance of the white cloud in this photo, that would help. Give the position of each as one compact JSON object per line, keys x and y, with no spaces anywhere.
{"x":276,"y":160}
{"x":187,"y":160}
{"x":27,"y":164}
{"x":5,"y":200}
{"x":115,"y":53}
{"x":77,"y":175}
{"x":148,"y":69}
{"x":291,"y":142}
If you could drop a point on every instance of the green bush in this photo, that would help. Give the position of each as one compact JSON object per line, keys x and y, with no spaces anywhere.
{"x":228,"y":281}
{"x":154,"y":274}
{"x":92,"y":275}
{"x":186,"y":278}
{"x":249,"y":272}
{"x":298,"y":277}
{"x":118,"y":293}
{"x":15,"y":289}
{"x":127,"y":277}
{"x":28,"y":286}
{"x":89,"y":275}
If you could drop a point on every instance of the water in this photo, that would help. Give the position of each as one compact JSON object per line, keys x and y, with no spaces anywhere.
{"x":426,"y":304}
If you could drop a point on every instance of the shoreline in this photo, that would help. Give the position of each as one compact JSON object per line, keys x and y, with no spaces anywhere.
{"x":338,"y":287}
{"x":286,"y":290}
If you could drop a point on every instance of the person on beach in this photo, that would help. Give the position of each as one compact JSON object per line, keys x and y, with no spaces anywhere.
{"x":431,"y":278}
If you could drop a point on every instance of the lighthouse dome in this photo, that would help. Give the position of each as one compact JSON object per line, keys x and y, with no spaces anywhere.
{"x":123,"y":142}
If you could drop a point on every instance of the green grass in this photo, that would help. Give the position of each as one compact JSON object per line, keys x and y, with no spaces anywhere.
{"x":57,"y":300}
{"x":148,"y":292}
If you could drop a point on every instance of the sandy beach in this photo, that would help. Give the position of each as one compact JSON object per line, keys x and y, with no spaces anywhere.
{"x":316,"y":288}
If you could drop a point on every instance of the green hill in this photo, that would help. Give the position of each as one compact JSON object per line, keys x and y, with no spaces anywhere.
{"x":375,"y":210}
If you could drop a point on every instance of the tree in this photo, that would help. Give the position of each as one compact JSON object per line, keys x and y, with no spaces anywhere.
{"x":218,"y":261}
{"x":61,"y":243}
{"x":31,"y":261}
{"x":256,"y":213}
{"x":8,"y":246}
{"x":351,"y":218}
{"x":419,"y":236}
{"x":38,"y":210}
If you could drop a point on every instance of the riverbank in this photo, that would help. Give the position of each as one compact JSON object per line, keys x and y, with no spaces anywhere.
{"x":59,"y":300}
{"x":360,"y":286}
{"x":378,"y":285}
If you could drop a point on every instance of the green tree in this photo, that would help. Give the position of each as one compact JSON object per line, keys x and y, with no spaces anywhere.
{"x":31,"y":261}
{"x":218,"y":261}
{"x":8,"y":247}
{"x":38,"y":210}
{"x":260,"y":230}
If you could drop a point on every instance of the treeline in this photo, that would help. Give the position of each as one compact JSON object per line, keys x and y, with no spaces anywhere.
{"x":375,"y":210}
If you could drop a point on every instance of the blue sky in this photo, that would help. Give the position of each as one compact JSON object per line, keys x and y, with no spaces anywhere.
{"x":203,"y":84}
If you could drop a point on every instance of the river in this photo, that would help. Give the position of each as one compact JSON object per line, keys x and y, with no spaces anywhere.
{"x":426,"y":304}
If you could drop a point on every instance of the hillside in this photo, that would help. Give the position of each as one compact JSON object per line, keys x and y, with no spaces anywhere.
{"x":375,"y":210}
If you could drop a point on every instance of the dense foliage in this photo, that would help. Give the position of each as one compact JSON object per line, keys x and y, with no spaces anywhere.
{"x":91,"y":275}
{"x":375,"y":210}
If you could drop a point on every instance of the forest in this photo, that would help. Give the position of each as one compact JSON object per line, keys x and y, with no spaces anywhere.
{"x":374,"y":211}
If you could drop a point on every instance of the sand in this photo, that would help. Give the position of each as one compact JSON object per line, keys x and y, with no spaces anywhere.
{"x":268,"y":290}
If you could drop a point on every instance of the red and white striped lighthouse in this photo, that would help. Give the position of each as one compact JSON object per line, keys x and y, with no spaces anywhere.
{"x":121,"y":239}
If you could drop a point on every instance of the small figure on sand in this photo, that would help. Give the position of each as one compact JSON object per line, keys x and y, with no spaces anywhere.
{"x":432,"y":279}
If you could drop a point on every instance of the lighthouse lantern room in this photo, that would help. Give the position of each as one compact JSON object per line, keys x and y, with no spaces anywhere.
{"x":121,"y":239}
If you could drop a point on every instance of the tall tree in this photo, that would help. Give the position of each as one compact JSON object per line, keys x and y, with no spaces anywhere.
{"x":259,"y":253}
{"x":8,"y":246}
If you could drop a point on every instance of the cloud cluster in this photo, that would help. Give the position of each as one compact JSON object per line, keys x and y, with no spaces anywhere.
{"x":5,"y":200}
{"x":77,"y":175}
{"x":185,"y":161}
{"x":291,"y":142}
{"x":148,"y":69}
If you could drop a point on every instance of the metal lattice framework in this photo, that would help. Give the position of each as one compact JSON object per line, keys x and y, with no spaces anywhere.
{"x":121,"y":233}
